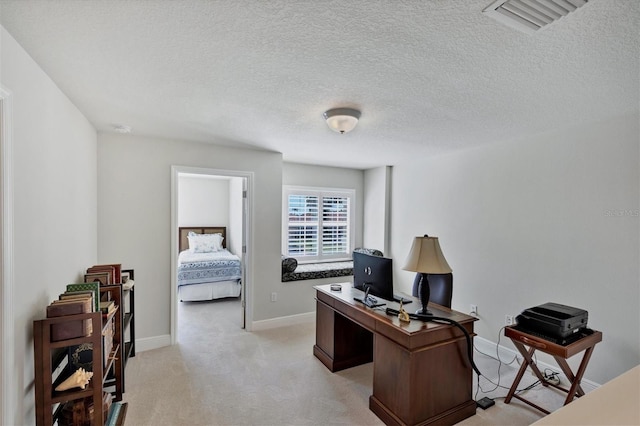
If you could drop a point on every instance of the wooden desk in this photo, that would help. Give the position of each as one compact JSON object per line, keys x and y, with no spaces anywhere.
{"x":421,"y":374}
{"x":559,"y":352}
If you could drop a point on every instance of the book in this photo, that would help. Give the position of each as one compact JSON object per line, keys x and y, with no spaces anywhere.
{"x":107,"y":306}
{"x":117,"y":275}
{"x":103,"y":269}
{"x":94,"y":287}
{"x":81,"y":356}
{"x":117,"y":414}
{"x":107,"y":399}
{"x":114,"y":268}
{"x":107,"y":344}
{"x":104,"y":277}
{"x":75,"y":295}
{"x":70,"y":329}
{"x":76,"y":305}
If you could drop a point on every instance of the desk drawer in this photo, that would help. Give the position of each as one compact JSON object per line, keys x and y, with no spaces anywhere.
{"x":325,"y":298}
{"x":357,"y":314}
{"x":551,"y":348}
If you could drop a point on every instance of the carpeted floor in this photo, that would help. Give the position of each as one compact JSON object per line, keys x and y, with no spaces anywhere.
{"x":220,"y":374}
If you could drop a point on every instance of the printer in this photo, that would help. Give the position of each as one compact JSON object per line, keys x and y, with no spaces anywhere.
{"x":553,"y":321}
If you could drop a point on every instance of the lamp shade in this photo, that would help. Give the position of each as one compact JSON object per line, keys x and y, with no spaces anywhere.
{"x":342,"y":120}
{"x":426,"y":257}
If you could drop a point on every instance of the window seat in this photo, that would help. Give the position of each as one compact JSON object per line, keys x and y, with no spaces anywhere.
{"x":312,"y":271}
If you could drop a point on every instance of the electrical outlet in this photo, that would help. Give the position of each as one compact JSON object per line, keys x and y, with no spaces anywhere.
{"x":508,"y":320}
{"x":473,"y":310}
{"x":274,"y":296}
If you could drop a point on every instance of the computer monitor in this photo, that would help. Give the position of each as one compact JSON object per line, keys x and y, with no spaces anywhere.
{"x":375,"y":273}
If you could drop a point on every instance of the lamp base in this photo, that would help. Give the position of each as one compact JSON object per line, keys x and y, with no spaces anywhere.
{"x":425,"y":292}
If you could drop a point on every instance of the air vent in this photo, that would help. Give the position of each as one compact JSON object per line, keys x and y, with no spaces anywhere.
{"x":531,"y":15}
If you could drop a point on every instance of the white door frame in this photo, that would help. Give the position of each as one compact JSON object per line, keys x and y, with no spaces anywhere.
{"x":248,"y":240}
{"x":7,"y":342}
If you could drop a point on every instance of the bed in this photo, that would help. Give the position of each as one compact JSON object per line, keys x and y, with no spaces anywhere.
{"x":206,"y":271}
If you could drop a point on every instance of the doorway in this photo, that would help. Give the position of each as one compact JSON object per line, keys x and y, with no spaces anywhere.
{"x":213,"y":197}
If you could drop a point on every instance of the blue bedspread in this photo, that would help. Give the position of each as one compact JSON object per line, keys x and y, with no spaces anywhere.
{"x":198,"y":268}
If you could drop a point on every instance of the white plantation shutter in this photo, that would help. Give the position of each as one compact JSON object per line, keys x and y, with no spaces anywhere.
{"x":335,"y":225}
{"x":303,"y":225}
{"x":318,"y":224}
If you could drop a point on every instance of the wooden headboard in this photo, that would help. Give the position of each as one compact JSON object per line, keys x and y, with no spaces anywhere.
{"x":183,"y":231}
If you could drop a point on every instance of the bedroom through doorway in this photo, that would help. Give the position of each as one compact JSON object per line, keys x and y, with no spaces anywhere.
{"x":209,"y":291}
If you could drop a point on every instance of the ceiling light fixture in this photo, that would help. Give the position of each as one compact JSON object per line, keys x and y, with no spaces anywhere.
{"x":342,"y":120}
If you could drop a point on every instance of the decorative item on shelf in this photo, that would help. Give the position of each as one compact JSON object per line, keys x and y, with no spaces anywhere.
{"x":79,"y":379}
{"x":342,"y":120}
{"x":127,"y":279}
{"x":403,"y":316}
{"x":426,"y":258}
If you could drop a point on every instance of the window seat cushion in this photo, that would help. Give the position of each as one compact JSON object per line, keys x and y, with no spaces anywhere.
{"x":312,"y":271}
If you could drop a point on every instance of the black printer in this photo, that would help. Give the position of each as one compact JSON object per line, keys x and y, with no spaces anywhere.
{"x":553,"y":320}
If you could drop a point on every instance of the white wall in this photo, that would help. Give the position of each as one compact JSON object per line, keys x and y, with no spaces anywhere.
{"x":377,"y":208}
{"x":55,"y":206}
{"x":203,"y":201}
{"x":138,"y":235}
{"x":211,"y":200}
{"x":551,"y":217}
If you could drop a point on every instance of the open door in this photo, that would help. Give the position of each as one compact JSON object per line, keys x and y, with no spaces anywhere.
{"x":244,"y":253}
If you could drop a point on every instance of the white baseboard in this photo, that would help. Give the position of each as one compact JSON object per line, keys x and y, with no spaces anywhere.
{"x":148,"y":343}
{"x":506,"y":354}
{"x":283,"y":321}
{"x":156,"y":342}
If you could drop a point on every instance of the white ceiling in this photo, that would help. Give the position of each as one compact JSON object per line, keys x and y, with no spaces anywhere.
{"x":429,"y":76}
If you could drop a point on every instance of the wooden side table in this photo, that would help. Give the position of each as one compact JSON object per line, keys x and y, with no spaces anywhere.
{"x":560,"y":353}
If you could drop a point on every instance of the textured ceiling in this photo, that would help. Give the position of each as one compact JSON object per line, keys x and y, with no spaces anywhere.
{"x":428,"y":76}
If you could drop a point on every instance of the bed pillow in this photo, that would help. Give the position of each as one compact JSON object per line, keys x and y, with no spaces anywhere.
{"x":370,"y":252}
{"x":204,"y":243}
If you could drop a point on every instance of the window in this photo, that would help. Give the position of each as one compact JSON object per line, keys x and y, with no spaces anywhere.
{"x":318,"y":223}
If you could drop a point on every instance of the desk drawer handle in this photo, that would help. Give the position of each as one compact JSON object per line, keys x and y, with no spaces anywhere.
{"x":533,"y":343}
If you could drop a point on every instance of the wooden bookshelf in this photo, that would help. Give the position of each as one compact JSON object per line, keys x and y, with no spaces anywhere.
{"x":53,"y":364}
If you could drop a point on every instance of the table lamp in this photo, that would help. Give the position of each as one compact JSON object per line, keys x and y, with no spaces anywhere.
{"x":425,"y":258}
